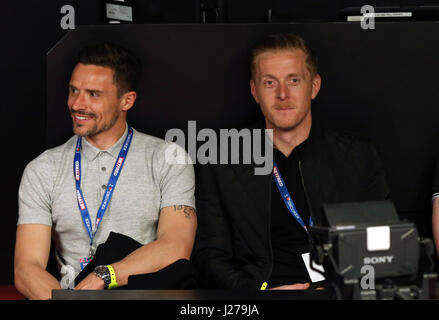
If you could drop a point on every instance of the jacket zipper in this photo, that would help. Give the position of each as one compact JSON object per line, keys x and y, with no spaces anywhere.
{"x":270,"y":270}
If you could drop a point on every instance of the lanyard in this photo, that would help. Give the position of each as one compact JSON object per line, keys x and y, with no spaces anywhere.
{"x":287,"y":198}
{"x":110,"y":186}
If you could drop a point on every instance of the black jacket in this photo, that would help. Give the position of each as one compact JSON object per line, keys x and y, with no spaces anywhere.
{"x":233,"y":245}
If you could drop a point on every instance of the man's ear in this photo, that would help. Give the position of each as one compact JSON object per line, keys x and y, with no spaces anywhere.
{"x":128,"y":100}
{"x":316,"y":84}
{"x":253,"y":90}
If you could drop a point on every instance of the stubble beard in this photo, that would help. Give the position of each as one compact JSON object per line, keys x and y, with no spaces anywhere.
{"x":95,"y":129}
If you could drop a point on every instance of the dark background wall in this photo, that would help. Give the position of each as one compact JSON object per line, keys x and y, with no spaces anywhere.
{"x":398,"y":82}
{"x":200,"y":72}
{"x":28,"y":30}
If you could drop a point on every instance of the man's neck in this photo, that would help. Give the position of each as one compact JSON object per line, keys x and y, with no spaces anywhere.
{"x":106,"y":139}
{"x":286,"y":140}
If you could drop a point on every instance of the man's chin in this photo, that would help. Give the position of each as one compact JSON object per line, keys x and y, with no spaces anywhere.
{"x":285,"y":126}
{"x":82,"y":131}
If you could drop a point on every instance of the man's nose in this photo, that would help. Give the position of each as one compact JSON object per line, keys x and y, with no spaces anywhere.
{"x":282,"y":92}
{"x":77,"y":102}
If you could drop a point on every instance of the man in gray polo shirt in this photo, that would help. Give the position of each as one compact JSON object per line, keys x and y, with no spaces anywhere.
{"x":107,"y":178}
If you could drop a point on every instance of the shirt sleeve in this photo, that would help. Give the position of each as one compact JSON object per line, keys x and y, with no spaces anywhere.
{"x":177,"y":177}
{"x":34,"y":206}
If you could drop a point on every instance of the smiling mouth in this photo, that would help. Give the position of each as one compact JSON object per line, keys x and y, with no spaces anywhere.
{"x":81,"y":117}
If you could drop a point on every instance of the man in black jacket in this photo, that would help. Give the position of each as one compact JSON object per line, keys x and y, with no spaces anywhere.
{"x":253,"y":228}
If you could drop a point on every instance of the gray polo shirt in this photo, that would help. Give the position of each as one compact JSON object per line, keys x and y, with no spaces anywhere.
{"x":148,"y":183}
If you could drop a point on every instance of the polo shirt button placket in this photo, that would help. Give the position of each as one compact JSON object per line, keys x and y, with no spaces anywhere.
{"x":103,"y":170}
{"x":104,"y":186}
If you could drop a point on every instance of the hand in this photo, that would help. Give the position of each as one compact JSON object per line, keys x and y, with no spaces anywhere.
{"x":296,"y":286}
{"x":91,"y":282}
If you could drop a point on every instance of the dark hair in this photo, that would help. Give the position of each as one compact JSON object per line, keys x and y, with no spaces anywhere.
{"x":283,"y":41}
{"x":125,"y":65}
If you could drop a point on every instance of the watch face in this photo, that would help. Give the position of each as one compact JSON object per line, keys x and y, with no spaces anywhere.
{"x":101,"y":269}
{"x":103,"y":273}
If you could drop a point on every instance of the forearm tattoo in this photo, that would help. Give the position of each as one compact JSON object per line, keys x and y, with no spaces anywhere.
{"x":186,"y":210}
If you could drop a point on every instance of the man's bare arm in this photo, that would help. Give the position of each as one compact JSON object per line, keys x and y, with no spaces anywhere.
{"x":32,"y":251}
{"x":297,"y":286}
{"x":175,"y":239}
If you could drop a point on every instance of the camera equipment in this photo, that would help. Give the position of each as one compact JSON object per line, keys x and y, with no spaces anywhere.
{"x":388,"y":10}
{"x":368,"y":253}
{"x":151,"y":11}
{"x":117,"y":11}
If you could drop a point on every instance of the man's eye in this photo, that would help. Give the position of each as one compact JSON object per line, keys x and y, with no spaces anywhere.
{"x":94,"y":94}
{"x":294,"y":81}
{"x":269,"y":83}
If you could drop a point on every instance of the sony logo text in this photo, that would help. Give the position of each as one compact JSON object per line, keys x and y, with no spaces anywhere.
{"x":378,"y":260}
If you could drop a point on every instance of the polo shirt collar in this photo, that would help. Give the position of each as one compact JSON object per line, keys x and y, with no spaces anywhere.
{"x":91,"y":152}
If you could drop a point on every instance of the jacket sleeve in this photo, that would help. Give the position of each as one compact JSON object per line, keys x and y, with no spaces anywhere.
{"x":213,"y":250}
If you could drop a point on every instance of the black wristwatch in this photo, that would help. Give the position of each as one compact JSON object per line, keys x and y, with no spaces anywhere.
{"x":103,"y":273}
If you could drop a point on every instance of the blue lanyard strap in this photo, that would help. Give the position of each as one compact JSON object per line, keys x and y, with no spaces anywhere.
{"x":287,"y":198}
{"x":110,"y":186}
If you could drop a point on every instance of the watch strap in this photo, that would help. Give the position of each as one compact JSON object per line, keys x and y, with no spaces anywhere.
{"x":113,"y":283}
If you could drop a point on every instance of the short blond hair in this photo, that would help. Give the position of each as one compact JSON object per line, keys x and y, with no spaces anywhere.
{"x":280,"y":42}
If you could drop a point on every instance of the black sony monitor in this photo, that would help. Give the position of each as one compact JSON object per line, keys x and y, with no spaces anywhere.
{"x":360,"y":214}
{"x":362,"y":234}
